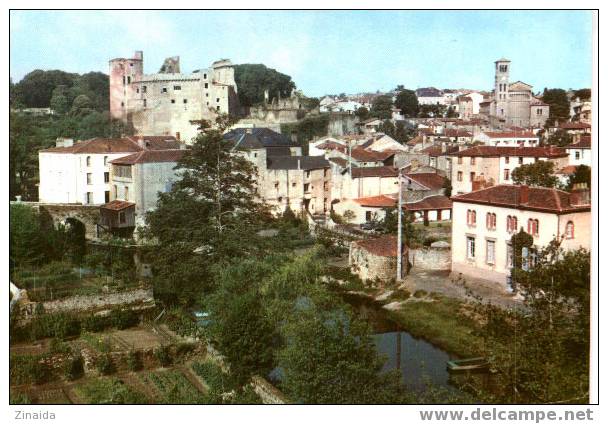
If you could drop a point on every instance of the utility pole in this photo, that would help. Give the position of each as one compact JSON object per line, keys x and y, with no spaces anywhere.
{"x":399,"y":228}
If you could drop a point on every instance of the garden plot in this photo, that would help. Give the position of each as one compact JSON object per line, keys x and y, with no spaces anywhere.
{"x":171,"y":387}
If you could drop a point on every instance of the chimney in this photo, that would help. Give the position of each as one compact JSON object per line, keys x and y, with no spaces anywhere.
{"x":139,"y":54}
{"x":524,"y":194}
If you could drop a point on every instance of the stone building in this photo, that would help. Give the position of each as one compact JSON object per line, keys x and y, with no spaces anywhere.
{"x":167,"y":102}
{"x":484,"y":221}
{"x":513,"y":103}
{"x":376,"y":258}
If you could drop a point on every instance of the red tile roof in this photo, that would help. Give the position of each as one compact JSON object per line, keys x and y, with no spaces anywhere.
{"x":339,"y":161}
{"x":117,"y":205}
{"x":583,"y":143}
{"x":149,"y":156}
{"x":452,"y":132}
{"x":567,"y":170}
{"x":381,"y":246}
{"x":436,"y":150}
{"x":524,"y":197}
{"x":431,"y":202}
{"x":510,"y":134}
{"x":497,"y":151}
{"x":363,"y":155}
{"x":374,"y":171}
{"x":118,"y":145}
{"x":416,"y":140}
{"x":381,"y":201}
{"x":432,"y":181}
{"x":574,"y":126}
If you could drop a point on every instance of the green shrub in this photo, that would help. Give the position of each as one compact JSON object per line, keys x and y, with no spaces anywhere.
{"x":184,"y":348}
{"x":134,"y":361}
{"x":109,"y":391}
{"x":420,"y":293}
{"x":28,"y":369}
{"x":213,"y":375}
{"x":163,"y":355}
{"x":105,"y":365}
{"x":123,"y":318}
{"x":19,"y":398}
{"x":57,"y":346}
{"x":74,"y":367}
{"x":95,"y":323}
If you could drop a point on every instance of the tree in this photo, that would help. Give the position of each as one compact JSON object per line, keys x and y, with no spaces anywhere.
{"x":407,"y":101}
{"x":451,"y":113}
{"x":382,"y":107}
{"x":36,"y":88}
{"x":81,"y":106}
{"x":26,"y":245}
{"x":537,"y":174}
{"x":212,"y":213}
{"x":583,"y":94}
{"x":582,"y":174}
{"x":362,"y":113}
{"x":330,"y":358}
{"x":428,"y":111}
{"x":559,"y":104}
{"x":253,"y":79}
{"x":560,"y":138}
{"x":59,"y":100}
{"x":540,"y":351}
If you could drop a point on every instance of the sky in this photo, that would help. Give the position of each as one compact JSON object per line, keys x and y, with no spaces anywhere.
{"x":324,"y":52}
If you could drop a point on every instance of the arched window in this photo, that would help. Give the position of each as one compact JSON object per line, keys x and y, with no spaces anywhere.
{"x":569,"y":230}
{"x":471,"y":217}
{"x":88,"y":160}
{"x":491,"y":221}
{"x":533,"y":226}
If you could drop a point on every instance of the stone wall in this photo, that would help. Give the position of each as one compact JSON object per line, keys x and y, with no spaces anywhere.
{"x":371,"y":267}
{"x":79,"y":303}
{"x":431,"y":258}
{"x":269,"y":394}
{"x":87,"y":214}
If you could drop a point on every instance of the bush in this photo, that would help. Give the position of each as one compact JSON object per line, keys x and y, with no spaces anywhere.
{"x":134,"y":361}
{"x":123,"y":318}
{"x":18,"y":398}
{"x":28,"y":369}
{"x":163,"y":355}
{"x":184,"y":348}
{"x":57,"y":346}
{"x":105,"y":365}
{"x":420,"y":293}
{"x":74,"y":367}
{"x":95,"y":323}
{"x":218,"y":380}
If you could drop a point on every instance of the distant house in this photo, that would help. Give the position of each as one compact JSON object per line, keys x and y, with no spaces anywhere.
{"x":579,"y":153}
{"x":508,"y":138}
{"x":491,"y":165}
{"x":484,"y":221}
{"x":376,"y":259}
{"x":430,"y":96}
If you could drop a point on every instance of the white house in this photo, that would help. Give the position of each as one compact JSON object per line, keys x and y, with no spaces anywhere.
{"x":579,"y":153}
{"x":484,"y":221}
{"x":80,"y":172}
{"x":508,"y":138}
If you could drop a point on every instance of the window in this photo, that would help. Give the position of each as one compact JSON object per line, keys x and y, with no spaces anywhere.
{"x":121,"y":217}
{"x":306,"y":187}
{"x":506,"y":175}
{"x":533,"y":227}
{"x":124,"y":80}
{"x":368,"y":216}
{"x":185,"y":101}
{"x":507,"y":159}
{"x":218,"y":107}
{"x":472,"y":176}
{"x":137,"y":90}
{"x":106,"y":195}
{"x":491,"y":221}
{"x":325,"y":186}
{"x":128,"y":80}
{"x":122,"y":104}
{"x":471,"y":217}
{"x":106,"y":177}
{"x":204,"y":76}
{"x":471,"y":247}
{"x":511,"y":224}
{"x":89,"y":198}
{"x":126,"y":193}
{"x":145,"y":103}
{"x":217,"y":100}
{"x":577,"y":155}
{"x":539,"y":111}
{"x":509,"y":255}
{"x":105,"y":161}
{"x":144,"y":89}
{"x":459,"y":160}
{"x":89,"y":178}
{"x":122,"y":171}
{"x":115,"y":191}
{"x":520,"y":160}
{"x":293,"y":184}
{"x":177,"y":87}
{"x":172,"y":100}
{"x":459,"y":176}
{"x":472,"y":160}
{"x":276,"y":185}
{"x":88,"y":160}
{"x":490,"y":252}
{"x":163,"y":90}
{"x":206,"y":85}
{"x":569,"y":234}
{"x":307,"y":174}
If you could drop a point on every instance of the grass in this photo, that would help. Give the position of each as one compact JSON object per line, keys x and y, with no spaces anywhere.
{"x":173,"y":386}
{"x":441,"y":323}
{"x":109,"y":390}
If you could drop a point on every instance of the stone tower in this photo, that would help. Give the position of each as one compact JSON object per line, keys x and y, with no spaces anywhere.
{"x":501,"y":86}
{"x":123,"y":73}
